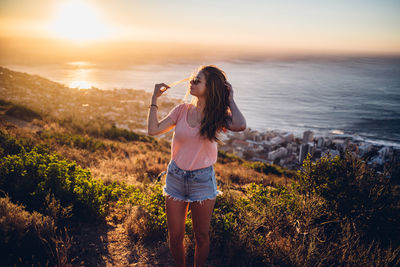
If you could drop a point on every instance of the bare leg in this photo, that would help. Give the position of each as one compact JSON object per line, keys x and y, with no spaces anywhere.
{"x":176,"y":217}
{"x":201,"y":218}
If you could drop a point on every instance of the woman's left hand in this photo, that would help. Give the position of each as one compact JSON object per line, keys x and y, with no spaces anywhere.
{"x":229,"y":87}
{"x":238,"y":122}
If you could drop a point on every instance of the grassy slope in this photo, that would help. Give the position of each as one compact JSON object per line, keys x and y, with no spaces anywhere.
{"x":124,"y":161}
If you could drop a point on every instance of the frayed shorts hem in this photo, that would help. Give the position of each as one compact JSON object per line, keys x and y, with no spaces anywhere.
{"x":166,"y":194}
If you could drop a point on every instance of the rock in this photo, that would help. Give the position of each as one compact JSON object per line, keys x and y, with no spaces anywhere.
{"x":364,"y":149}
{"x":384,"y":152}
{"x":378,"y":160}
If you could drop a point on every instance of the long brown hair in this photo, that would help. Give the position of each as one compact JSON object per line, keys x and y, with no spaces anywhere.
{"x":216,"y":116}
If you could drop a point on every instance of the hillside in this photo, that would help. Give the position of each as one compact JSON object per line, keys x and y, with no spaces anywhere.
{"x":79,"y":179}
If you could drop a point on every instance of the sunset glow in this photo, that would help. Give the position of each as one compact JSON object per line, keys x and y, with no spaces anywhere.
{"x":78,"y":21}
{"x":124,"y":31}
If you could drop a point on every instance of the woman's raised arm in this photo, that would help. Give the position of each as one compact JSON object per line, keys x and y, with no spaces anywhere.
{"x":238,"y":121}
{"x":154,"y":127}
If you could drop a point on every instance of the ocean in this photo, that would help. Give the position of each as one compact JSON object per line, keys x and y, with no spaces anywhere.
{"x":358,"y":96}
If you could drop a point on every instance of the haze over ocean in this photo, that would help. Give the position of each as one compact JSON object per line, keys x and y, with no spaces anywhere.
{"x":356,"y":95}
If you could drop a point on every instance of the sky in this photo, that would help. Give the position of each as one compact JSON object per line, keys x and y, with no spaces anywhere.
{"x":320,"y":26}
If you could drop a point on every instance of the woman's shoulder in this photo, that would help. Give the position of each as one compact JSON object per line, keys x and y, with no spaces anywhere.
{"x":183,"y":106}
{"x":176,"y":112}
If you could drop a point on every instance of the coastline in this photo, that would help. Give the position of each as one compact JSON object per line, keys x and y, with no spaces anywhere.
{"x":355,"y":95}
{"x":289,"y":150}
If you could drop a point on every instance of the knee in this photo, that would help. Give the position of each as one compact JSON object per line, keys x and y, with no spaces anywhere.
{"x":202,"y":238}
{"x":176,"y":239}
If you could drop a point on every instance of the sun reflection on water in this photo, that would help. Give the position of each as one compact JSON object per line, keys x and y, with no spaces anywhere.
{"x":79,"y":63}
{"x":80,"y":76}
{"x":80,"y":84}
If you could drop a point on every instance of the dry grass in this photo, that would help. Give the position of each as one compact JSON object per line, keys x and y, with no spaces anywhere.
{"x":135,"y":223}
{"x":236,"y":174}
{"x":30,"y":234}
{"x":133,"y":162}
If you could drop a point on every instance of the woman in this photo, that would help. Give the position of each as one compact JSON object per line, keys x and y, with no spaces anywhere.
{"x":190,"y":178}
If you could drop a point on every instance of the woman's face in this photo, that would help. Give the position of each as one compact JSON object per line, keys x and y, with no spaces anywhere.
{"x":198,"y":85}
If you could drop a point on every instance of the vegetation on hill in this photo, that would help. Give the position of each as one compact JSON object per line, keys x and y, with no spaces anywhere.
{"x":317,"y":219}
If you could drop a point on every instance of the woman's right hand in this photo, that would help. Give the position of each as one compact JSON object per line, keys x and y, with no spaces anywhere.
{"x":159,"y":89}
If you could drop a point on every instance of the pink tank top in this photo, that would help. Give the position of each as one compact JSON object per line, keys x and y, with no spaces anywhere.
{"x":189,"y":150}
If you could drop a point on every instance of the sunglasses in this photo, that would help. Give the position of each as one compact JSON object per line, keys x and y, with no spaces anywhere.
{"x":195,"y":80}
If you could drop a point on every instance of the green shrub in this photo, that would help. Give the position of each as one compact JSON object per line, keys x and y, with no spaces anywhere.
{"x":282,"y":198}
{"x":264,"y":168}
{"x":29,"y":177}
{"x":224,"y":221}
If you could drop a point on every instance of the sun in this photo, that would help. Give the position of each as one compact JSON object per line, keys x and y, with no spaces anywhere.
{"x":78,"y":21}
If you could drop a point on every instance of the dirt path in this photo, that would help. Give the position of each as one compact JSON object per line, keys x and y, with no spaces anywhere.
{"x":118,"y":245}
{"x":108,"y":244}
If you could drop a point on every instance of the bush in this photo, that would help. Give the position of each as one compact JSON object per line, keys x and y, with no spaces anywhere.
{"x":146,"y":218}
{"x":264,"y":168}
{"x":224,"y":157}
{"x":75,"y":140}
{"x":278,"y":226}
{"x":5,"y":102}
{"x":354,"y":192}
{"x":115,"y":133}
{"x":225,"y":223}
{"x":102,"y":129}
{"x":29,"y":239}
{"x":9,"y":145}
{"x":32,"y":177}
{"x":23,"y":113}
{"x":251,"y":230}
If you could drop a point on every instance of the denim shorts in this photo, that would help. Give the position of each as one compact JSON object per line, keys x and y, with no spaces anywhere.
{"x":190,"y":186}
